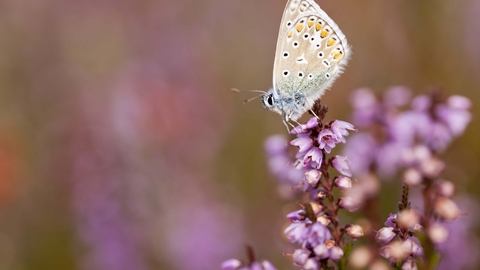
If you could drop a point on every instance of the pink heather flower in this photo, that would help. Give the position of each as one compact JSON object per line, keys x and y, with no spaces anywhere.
{"x":313,"y":122}
{"x":446,"y":209}
{"x":391,"y":220}
{"x":354,"y":231}
{"x":300,"y":256}
{"x":437,"y":233}
{"x":343,"y":182}
{"x":321,"y":251}
{"x":313,"y":158}
{"x":326,"y":140}
{"x":397,"y":96}
{"x":340,"y":128}
{"x":231,"y":264}
{"x":297,"y":215}
{"x":366,"y":106}
{"x":297,"y":232}
{"x":303,"y":143}
{"x":311,"y":264}
{"x":277,"y":152}
{"x":385,"y":235}
{"x":335,"y":253}
{"x":313,"y":176}
{"x":234,"y":264}
{"x":268,"y":265}
{"x":341,"y":164}
{"x":318,"y":234}
{"x":409,"y":264}
{"x":348,"y":203}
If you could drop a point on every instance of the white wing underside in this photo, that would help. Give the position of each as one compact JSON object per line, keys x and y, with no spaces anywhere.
{"x":311,"y":52}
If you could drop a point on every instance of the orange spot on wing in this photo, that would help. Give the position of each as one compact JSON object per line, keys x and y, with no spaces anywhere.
{"x":310,"y":24}
{"x":318,"y":27}
{"x":290,"y":34}
{"x":299,"y":27}
{"x":323,"y":34}
{"x":330,"y":42}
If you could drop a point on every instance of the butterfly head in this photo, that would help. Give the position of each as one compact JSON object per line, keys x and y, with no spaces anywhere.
{"x":288,"y":107}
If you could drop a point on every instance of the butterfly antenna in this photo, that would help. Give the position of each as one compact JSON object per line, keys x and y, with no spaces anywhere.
{"x":252,"y":98}
{"x":240,"y":91}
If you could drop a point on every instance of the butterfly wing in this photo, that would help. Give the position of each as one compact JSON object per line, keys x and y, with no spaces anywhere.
{"x":311,"y":51}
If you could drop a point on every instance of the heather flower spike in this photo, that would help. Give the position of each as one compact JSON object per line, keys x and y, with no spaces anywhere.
{"x":234,"y":264}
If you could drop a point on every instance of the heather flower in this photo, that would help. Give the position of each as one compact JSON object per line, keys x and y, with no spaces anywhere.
{"x":360,"y":257}
{"x":311,"y":264}
{"x":343,"y":182}
{"x":316,"y":227}
{"x":385,"y":235}
{"x":446,"y":209}
{"x":341,"y":164}
{"x":231,"y":264}
{"x":341,"y":128}
{"x":304,"y":143}
{"x":348,"y":203}
{"x":437,"y":233}
{"x":300,"y":256}
{"x":326,"y":140}
{"x":297,"y":215}
{"x":277,"y":152}
{"x":354,"y":231}
{"x":407,"y":219}
{"x":234,"y":264}
{"x":409,"y":265}
{"x":313,"y":158}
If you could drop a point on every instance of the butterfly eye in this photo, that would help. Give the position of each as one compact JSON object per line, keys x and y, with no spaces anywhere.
{"x":268,"y":101}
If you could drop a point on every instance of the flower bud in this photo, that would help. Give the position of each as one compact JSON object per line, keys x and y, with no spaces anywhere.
{"x":300,"y":256}
{"x":324,"y":220}
{"x":297,"y":215}
{"x":445,"y":188}
{"x":231,"y":264}
{"x":321,"y":251}
{"x":255,"y":266}
{"x":432,"y":167}
{"x":379,"y":265}
{"x":407,"y":219}
{"x":412,"y":177}
{"x":343,"y":183}
{"x":336,"y":253}
{"x":446,"y":209}
{"x":437,"y":233}
{"x":391,"y":220}
{"x":341,"y":164}
{"x":268,"y":265}
{"x":360,"y":257}
{"x":354,"y":231}
{"x":313,"y":176}
{"x":316,"y":207}
{"x":311,"y":264}
{"x":348,"y":203}
{"x":411,"y":247}
{"x":385,"y":235}
{"x":409,"y":265}
{"x":393,"y":251}
{"x":421,"y":153}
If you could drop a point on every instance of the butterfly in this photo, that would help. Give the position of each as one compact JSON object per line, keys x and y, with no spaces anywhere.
{"x":311,"y":53}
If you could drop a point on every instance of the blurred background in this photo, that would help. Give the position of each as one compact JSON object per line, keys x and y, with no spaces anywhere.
{"x":121,"y":146}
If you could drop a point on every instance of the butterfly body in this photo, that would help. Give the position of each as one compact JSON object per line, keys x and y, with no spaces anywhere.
{"x":311,"y":53}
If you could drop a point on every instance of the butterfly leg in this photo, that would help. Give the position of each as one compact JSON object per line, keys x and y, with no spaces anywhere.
{"x":285,"y":121}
